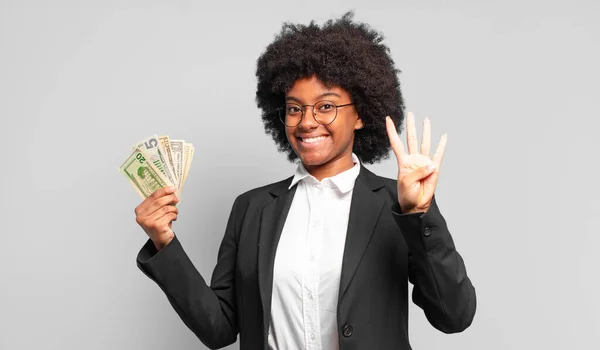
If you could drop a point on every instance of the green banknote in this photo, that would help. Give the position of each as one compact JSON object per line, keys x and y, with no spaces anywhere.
{"x":143,"y":175}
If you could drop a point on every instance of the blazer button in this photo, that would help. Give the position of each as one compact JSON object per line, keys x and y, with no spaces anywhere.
{"x":347,"y":330}
{"x":426,"y":232}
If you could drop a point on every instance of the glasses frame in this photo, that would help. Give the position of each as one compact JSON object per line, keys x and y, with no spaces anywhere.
{"x":303,"y":108}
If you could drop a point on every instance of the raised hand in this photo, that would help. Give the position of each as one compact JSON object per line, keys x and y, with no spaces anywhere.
{"x":156,"y":215}
{"x":416,"y":179}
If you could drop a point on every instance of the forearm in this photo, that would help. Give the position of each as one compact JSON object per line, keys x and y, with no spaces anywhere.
{"x":208,"y":313}
{"x":441,"y":285}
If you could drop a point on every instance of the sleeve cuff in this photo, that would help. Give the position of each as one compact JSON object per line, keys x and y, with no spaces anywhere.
{"x":421,"y":229}
{"x":148,"y":256}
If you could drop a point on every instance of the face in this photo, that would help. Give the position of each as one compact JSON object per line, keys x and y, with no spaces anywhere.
{"x":334,"y":141}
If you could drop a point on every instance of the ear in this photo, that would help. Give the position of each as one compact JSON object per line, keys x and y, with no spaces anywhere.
{"x":358,"y":124}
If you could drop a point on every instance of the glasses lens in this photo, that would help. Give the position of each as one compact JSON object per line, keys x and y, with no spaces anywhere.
{"x":325,"y":112}
{"x":290,"y":114}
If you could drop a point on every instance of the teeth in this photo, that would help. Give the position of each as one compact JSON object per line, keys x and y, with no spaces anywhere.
{"x":314,"y":139}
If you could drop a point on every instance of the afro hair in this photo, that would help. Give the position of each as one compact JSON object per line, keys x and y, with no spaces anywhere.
{"x":340,"y":53}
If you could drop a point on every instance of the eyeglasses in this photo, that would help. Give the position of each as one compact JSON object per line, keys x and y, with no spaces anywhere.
{"x":324,"y":112}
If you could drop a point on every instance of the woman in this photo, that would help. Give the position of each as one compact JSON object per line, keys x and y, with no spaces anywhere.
{"x":322,"y":259}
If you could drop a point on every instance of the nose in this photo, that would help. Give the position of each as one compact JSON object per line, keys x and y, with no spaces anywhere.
{"x":308,"y":120}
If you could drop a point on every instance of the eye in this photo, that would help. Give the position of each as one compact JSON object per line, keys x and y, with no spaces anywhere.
{"x":293,"y":109}
{"x":326,"y":107}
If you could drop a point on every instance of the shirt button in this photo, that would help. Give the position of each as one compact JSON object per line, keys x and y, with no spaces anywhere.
{"x":426,"y":232}
{"x":312,"y":337}
{"x":310,"y":296}
{"x":347,"y":330}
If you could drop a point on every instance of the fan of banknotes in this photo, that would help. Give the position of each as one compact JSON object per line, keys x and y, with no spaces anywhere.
{"x":156,"y":162}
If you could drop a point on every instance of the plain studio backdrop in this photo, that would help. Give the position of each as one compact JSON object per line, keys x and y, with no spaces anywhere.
{"x":513,"y":83}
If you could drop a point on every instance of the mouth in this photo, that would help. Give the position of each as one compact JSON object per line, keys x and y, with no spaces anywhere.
{"x":312,"y":142}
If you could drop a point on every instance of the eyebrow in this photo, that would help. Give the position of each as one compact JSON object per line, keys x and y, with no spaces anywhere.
{"x":329,"y":93}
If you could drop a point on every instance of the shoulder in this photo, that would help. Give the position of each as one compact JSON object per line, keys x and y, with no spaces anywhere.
{"x":390,"y":188}
{"x":379,"y":183}
{"x":262,"y":193}
{"x":389,"y":182}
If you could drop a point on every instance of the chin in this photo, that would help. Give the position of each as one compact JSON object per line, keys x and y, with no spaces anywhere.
{"x":313,"y":158}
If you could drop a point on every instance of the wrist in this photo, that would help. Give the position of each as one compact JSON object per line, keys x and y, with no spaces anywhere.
{"x":162,"y":242}
{"x":413,"y":210}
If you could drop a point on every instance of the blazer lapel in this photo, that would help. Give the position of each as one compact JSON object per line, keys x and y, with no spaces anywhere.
{"x":365,"y":210}
{"x":272,"y":219}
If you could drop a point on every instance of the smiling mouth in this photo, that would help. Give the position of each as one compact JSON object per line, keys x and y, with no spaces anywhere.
{"x":311,"y":140}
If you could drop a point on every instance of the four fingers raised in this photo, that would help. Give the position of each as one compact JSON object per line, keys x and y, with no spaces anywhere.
{"x":412,"y":142}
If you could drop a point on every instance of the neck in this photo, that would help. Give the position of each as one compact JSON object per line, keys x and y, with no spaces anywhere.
{"x":331,"y":168}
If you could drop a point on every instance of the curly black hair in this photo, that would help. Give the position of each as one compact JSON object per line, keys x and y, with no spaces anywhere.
{"x":341,"y":53}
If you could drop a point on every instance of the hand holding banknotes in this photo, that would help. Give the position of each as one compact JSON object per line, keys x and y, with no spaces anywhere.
{"x":156,"y":215}
{"x":157,"y":168}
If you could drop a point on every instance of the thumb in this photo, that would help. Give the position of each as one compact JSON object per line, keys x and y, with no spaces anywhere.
{"x":421,"y":173}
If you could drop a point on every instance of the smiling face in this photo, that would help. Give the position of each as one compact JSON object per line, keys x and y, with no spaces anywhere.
{"x":325,"y":149}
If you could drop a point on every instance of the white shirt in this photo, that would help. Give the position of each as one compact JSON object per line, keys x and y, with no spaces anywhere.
{"x":308,"y":262}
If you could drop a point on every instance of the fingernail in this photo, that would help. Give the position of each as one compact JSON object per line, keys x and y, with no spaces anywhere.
{"x":171,"y":188}
{"x":431,"y":166}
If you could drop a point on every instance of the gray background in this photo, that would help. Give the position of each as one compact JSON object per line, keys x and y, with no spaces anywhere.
{"x":514,"y":83}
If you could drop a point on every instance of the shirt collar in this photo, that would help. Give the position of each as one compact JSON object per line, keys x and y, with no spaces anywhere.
{"x":343,"y":181}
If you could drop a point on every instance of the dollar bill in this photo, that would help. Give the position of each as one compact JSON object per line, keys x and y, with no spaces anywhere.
{"x":142,"y":174}
{"x":188,"y":152}
{"x":151,"y":149}
{"x":178,"y":160}
{"x":158,"y":161}
{"x":165,"y":148}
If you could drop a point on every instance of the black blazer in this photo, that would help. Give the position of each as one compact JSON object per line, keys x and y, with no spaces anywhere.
{"x":384,"y":250}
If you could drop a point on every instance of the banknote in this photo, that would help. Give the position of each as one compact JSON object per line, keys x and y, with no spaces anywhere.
{"x":143,"y":175}
{"x":178,"y":159}
{"x":188,"y":150}
{"x":165,"y":147}
{"x":151,"y":148}
{"x":158,"y":161}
